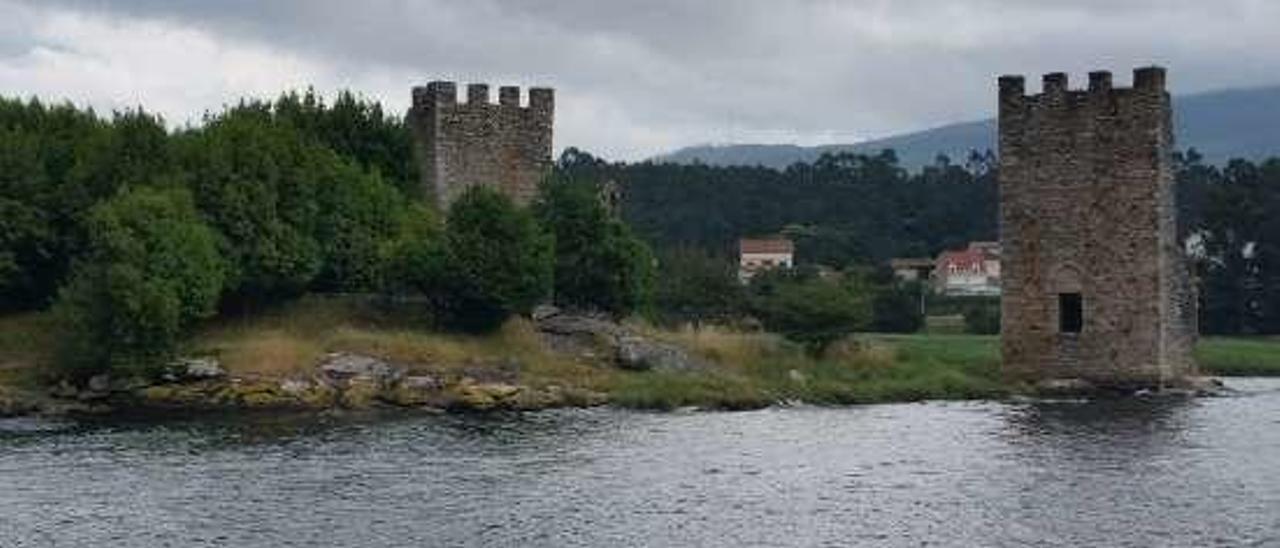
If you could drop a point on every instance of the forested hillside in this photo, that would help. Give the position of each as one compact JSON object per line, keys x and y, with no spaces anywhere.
{"x":849,"y":209}
{"x":1221,"y":125}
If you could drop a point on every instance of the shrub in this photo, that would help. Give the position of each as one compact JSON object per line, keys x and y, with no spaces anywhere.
{"x":152,"y":270}
{"x":497,"y":262}
{"x":896,"y":309}
{"x":808,"y":309}
{"x":358,"y":213}
{"x":982,"y":318}
{"x":696,"y":287}
{"x":599,"y":263}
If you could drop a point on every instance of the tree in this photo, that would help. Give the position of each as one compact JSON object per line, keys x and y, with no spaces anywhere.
{"x":256,"y":183}
{"x":415,"y":259}
{"x":808,"y":309}
{"x":696,"y":287}
{"x":599,"y":264}
{"x":896,"y":308}
{"x":498,"y":262}
{"x":982,"y":317}
{"x":153,"y":269}
{"x":357,"y":214}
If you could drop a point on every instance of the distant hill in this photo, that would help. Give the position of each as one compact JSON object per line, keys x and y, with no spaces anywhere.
{"x":1237,"y":123}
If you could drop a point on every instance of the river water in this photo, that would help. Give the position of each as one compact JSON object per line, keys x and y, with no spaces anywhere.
{"x":1136,"y":472}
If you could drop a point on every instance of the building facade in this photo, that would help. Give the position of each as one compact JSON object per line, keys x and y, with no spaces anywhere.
{"x":757,"y":255}
{"x":973,"y":271}
{"x":505,"y":145}
{"x":1095,"y":284}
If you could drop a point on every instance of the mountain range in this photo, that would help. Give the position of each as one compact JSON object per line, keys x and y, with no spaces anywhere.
{"x":1221,"y":125}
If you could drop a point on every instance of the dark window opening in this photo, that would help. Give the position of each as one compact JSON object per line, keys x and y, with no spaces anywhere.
{"x":1070,"y":312}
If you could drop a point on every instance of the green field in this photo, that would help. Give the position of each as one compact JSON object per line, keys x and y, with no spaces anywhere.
{"x":1227,"y":356}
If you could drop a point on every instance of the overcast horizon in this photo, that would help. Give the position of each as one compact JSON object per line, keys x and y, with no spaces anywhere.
{"x":633,"y":79}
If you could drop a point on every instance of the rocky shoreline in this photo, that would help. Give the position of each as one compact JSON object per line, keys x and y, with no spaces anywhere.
{"x":356,"y":381}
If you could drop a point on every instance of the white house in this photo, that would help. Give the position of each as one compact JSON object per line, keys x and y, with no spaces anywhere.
{"x":756,"y":255}
{"x":971,"y":271}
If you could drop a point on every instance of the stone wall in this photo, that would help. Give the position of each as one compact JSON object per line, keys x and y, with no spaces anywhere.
{"x":504,"y":145}
{"x":1087,"y":206}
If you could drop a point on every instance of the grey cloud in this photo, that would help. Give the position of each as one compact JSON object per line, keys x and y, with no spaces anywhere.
{"x":680,"y":72}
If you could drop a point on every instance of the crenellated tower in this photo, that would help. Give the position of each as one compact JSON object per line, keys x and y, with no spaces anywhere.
{"x":505,"y":145}
{"x":1095,"y":283}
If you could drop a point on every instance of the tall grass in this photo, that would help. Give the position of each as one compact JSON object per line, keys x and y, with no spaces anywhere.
{"x":291,"y":339}
{"x":746,"y":369}
{"x":757,"y":369}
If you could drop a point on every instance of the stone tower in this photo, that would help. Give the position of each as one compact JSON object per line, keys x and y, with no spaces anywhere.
{"x":506,"y":145}
{"x":1095,"y":282}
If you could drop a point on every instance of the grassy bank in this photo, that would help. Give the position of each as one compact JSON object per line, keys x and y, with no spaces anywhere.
{"x":1239,"y":356}
{"x":747,"y":370}
{"x":755,"y":369}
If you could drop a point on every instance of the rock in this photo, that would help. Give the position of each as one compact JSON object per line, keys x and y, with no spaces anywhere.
{"x":589,"y":325}
{"x":198,"y":369}
{"x":416,"y":391}
{"x":359,"y":393}
{"x":421,"y":382}
{"x":1207,"y":386}
{"x":100,"y":383}
{"x":640,"y":354}
{"x":469,"y":394}
{"x":1065,"y":387}
{"x":12,"y":406}
{"x":64,"y":390}
{"x":344,"y":367}
{"x":173,"y":395}
{"x":543,"y":311}
{"x":320,"y":396}
{"x":295,"y":387}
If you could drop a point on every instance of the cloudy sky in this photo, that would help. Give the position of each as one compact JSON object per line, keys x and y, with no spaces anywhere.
{"x":633,"y":79}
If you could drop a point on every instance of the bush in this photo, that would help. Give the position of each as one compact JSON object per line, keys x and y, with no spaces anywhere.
{"x":152,"y":270}
{"x":982,"y":318}
{"x":896,"y":309}
{"x":497,"y":262}
{"x":807,"y":308}
{"x":414,"y":259}
{"x":256,"y":183}
{"x":697,"y":287}
{"x":599,"y":263}
{"x":358,"y":214}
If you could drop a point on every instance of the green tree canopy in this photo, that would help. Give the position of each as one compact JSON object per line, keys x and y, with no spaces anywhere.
{"x":599,"y":264}
{"x":152,"y":270}
{"x":498,"y":261}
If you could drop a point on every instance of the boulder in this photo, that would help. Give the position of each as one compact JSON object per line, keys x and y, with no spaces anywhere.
{"x":1065,"y":387}
{"x":99,"y":383}
{"x":343,"y":367}
{"x":640,"y":354}
{"x":421,"y":382}
{"x":10,"y":405}
{"x":197,"y":369}
{"x":469,"y":394}
{"x":360,"y":393}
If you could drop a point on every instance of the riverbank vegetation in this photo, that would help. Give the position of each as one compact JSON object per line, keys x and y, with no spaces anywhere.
{"x":748,"y":369}
{"x":279,"y":232}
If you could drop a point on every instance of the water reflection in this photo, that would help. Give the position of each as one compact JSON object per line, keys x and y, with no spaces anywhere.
{"x":1115,"y":427}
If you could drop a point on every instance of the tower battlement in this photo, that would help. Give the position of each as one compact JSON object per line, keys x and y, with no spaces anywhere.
{"x":1095,"y":283}
{"x":1054,"y":85}
{"x":506,"y":145}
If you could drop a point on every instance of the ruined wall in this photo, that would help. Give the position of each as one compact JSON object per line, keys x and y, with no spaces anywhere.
{"x":1087,"y":206}
{"x":504,"y":145}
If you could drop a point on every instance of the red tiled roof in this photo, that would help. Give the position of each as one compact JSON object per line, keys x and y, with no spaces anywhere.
{"x":772,"y":245}
{"x":966,"y":259}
